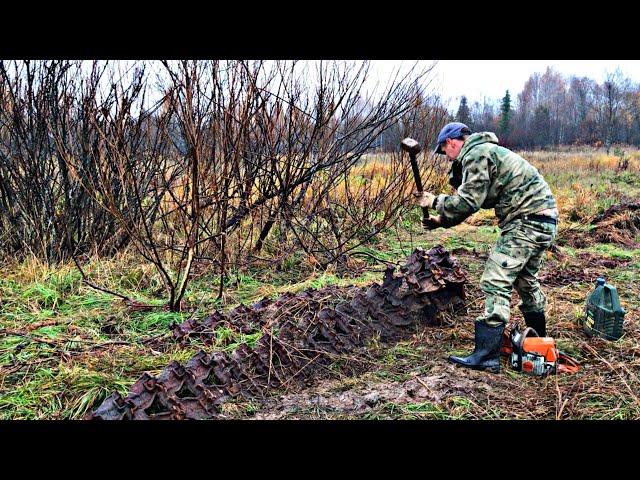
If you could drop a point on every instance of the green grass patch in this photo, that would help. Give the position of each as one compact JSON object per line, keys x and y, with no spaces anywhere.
{"x":631,"y":274}
{"x":479,"y":239}
{"x":42,"y":294}
{"x":455,"y":241}
{"x":569,"y":251}
{"x":487,"y":234}
{"x":153,"y":322}
{"x":407,"y":411}
{"x":403,"y":350}
{"x":612,"y":251}
{"x":627,"y":177}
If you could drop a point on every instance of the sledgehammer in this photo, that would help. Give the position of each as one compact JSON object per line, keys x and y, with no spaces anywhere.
{"x":413,"y":147}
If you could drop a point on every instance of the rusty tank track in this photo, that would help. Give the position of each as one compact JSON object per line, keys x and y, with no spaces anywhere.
{"x":294,"y":345}
{"x":244,"y":319}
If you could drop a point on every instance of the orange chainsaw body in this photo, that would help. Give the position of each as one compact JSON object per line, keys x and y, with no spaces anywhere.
{"x":545,"y":346}
{"x":535,"y":347}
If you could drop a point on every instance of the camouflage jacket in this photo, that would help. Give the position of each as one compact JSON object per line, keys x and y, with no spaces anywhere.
{"x":493,"y":177}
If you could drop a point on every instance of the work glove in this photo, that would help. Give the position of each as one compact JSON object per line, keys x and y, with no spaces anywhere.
{"x":425,"y":199}
{"x":432,"y":222}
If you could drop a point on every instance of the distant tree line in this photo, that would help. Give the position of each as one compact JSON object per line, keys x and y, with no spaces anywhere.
{"x":554,"y":110}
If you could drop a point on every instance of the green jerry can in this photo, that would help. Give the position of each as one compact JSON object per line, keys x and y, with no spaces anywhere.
{"x":604,"y":313}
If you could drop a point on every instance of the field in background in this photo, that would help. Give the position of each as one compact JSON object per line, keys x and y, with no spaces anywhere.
{"x":64,"y":346}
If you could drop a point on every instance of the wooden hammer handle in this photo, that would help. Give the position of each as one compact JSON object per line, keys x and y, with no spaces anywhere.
{"x":416,"y":177}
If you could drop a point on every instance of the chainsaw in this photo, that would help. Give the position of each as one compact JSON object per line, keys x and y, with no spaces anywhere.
{"x":534,"y":355}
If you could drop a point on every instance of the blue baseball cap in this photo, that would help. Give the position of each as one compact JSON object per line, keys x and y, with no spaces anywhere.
{"x":450,"y":130}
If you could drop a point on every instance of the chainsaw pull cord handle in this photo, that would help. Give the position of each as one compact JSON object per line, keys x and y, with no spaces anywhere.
{"x":519,"y":347}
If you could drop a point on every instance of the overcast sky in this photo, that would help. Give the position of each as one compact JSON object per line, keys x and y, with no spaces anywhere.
{"x":491,"y":78}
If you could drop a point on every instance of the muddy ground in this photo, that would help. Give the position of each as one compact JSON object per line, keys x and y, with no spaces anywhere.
{"x":413,"y":379}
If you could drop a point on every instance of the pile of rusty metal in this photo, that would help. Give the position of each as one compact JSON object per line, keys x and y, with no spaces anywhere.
{"x":244,"y":319}
{"x":299,"y":334}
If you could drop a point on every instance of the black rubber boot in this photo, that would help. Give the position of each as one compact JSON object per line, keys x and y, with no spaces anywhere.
{"x":486,"y":355}
{"x":537,"y":321}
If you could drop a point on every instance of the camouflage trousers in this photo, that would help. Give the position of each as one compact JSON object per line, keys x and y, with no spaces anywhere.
{"x":514,"y":263}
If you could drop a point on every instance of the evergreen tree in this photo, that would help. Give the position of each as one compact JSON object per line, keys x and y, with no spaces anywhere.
{"x":505,"y":114}
{"x":463,"y":115}
{"x":541,"y":127}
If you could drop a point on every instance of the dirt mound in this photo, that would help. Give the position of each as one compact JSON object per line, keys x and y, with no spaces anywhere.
{"x":300,"y":333}
{"x":619,"y":224}
{"x":575,"y":238}
{"x":585,"y":268}
{"x":564,"y":275}
{"x":614,"y":210}
{"x":592,"y":260}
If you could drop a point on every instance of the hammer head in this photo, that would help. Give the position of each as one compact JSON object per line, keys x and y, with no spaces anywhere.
{"x":410,"y":145}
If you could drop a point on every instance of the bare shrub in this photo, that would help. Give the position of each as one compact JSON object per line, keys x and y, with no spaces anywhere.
{"x":203,"y":161}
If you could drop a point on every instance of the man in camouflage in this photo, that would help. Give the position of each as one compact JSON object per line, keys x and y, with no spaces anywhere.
{"x":487,"y":175}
